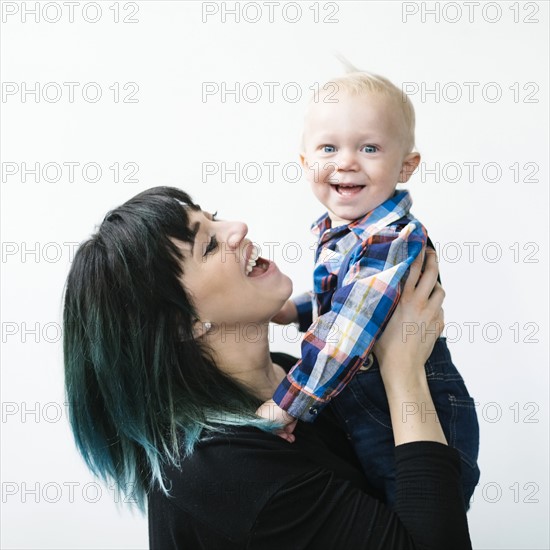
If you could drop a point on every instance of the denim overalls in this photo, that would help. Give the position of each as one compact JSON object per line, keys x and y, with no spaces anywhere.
{"x":363,"y":411}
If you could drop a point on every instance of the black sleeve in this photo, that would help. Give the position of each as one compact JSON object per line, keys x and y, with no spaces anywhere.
{"x":318,"y":510}
{"x":429,"y":500}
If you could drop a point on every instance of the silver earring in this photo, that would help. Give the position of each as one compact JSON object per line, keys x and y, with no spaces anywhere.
{"x":201,"y":328}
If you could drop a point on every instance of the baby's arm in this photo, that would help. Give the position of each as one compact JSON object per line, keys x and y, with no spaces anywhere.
{"x":296,"y":310}
{"x":337,"y":343}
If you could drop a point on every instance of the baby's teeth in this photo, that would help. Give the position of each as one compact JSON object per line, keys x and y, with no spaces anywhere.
{"x":254,"y":254}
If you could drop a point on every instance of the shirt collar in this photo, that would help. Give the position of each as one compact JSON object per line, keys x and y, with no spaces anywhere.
{"x":321,"y":225}
{"x":388,"y":212}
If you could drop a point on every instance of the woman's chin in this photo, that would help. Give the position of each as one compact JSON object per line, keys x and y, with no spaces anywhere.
{"x":283,"y":286}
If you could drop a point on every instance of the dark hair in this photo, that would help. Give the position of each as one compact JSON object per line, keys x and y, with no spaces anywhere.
{"x":140,"y":388}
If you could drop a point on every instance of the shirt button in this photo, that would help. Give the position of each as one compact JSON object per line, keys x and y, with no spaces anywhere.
{"x":368,"y":362}
{"x":313,"y":411}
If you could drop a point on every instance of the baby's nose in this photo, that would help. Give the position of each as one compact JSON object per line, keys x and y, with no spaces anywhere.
{"x":346,"y":160}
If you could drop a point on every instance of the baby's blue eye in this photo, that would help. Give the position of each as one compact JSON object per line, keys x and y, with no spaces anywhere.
{"x":329,"y":148}
{"x":369,"y":148}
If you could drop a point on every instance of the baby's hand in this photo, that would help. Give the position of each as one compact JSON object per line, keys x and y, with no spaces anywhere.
{"x":287,"y":314}
{"x":271,"y":411}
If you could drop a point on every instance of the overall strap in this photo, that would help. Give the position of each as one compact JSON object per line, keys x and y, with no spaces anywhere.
{"x":431,"y":245}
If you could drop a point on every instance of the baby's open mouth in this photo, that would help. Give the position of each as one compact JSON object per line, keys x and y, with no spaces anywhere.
{"x":348,"y":189}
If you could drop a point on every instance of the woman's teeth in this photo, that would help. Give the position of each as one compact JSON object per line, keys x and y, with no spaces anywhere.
{"x":252,"y":260}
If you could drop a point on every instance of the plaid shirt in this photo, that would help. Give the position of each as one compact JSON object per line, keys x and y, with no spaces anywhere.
{"x":352,"y":317}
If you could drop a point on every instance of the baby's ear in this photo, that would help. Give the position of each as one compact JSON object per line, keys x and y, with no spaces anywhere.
{"x":410,"y":164}
{"x":303,"y":160}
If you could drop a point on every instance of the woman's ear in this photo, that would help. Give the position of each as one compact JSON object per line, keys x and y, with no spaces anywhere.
{"x":200,"y":328}
{"x":303,"y":160}
{"x":410,"y":164}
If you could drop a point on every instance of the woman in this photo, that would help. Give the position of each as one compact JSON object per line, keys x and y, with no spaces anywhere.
{"x":167,"y":359}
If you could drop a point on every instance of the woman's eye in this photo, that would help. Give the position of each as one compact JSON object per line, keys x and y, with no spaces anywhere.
{"x":211,"y":246}
{"x":328,"y":148}
{"x":369,"y":148}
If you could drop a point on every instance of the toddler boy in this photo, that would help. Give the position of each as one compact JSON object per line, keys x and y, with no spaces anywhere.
{"x":358,"y":144}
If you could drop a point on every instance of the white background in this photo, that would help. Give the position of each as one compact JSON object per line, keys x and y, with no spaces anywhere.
{"x":172,"y":130}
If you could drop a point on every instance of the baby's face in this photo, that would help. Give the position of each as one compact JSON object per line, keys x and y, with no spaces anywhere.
{"x":354,"y":150}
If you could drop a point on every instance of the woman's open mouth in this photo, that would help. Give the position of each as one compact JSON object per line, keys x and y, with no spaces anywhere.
{"x":257,"y":267}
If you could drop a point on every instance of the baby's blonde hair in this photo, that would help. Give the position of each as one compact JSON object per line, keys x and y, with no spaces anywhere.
{"x":357,"y":83}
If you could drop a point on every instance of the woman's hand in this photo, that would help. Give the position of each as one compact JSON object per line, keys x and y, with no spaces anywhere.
{"x":404,"y":348}
{"x":416,"y":323}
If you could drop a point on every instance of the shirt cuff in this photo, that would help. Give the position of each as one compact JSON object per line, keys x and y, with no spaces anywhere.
{"x":304,"y":307}
{"x":297,"y":403}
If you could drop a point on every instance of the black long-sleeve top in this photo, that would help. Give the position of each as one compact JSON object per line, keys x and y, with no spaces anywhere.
{"x":251,"y":489}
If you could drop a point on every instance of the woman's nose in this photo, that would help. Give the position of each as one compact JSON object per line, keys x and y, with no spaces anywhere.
{"x":235,"y":233}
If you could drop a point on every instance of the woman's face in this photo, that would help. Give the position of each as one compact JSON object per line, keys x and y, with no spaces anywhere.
{"x":220,"y":280}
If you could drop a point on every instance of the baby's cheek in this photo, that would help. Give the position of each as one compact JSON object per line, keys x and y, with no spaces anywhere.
{"x":315,"y":179}
{"x":330,"y":175}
